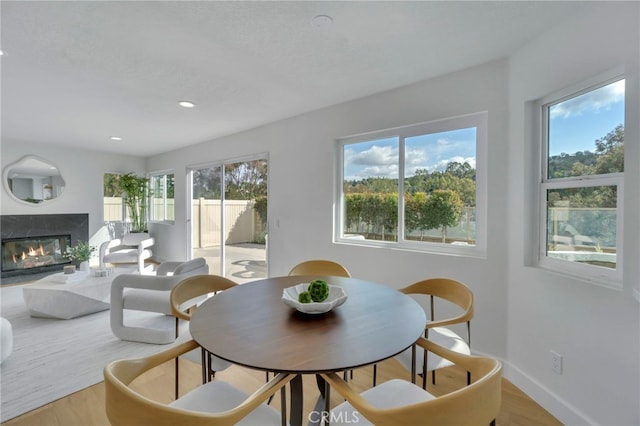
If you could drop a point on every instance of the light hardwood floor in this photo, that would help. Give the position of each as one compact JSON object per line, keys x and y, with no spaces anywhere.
{"x":86,"y":408}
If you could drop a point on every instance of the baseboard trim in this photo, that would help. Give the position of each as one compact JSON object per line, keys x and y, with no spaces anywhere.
{"x":558,"y":407}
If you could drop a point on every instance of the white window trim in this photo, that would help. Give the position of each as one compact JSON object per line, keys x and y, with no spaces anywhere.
{"x":480,"y":122}
{"x":605,"y":277}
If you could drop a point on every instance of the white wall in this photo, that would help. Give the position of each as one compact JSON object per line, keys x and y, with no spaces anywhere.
{"x":596,"y":329}
{"x":301,"y":153}
{"x":82,"y":171}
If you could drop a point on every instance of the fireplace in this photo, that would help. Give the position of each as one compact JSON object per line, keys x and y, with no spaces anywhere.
{"x":34,"y":244}
{"x":34,"y":252}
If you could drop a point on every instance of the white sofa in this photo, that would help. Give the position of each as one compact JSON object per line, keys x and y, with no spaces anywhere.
{"x":131,"y":248}
{"x":149,"y":293}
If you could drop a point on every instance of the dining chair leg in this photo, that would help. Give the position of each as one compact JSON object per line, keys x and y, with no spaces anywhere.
{"x":212,"y":372}
{"x":283,"y":405}
{"x":176,"y":330}
{"x":327,"y":403}
{"x":203,"y":358}
{"x":177,"y":375}
{"x":266,"y":381}
{"x":375,"y":372}
{"x":424,"y":370}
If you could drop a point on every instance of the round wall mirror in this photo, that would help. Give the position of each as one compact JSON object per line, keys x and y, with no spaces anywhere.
{"x":33,"y":180}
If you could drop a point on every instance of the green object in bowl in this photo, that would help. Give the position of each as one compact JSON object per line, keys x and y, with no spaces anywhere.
{"x":304,"y":297}
{"x":319,"y":290}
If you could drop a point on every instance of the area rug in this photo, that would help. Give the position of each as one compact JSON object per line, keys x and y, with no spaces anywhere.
{"x":55,"y":358}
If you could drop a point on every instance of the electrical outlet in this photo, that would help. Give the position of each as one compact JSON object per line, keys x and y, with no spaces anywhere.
{"x":556,"y":362}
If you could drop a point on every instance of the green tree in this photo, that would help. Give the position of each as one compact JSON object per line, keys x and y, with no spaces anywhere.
{"x":461,"y":170}
{"x":111,"y":185}
{"x":442,"y":209}
{"x":136,"y":190}
{"x":388,"y":215}
{"x":207,"y":184}
{"x":610,"y":151}
{"x":413,"y":212}
{"x":245,"y":180}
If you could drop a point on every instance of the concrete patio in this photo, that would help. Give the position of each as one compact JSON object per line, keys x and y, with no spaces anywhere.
{"x":244,"y":261}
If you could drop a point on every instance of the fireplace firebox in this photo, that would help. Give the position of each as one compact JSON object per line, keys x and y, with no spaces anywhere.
{"x":43,"y":238}
{"x":34,"y":252}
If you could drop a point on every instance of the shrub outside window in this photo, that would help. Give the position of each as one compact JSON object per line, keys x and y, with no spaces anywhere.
{"x":582,"y":182}
{"x":439,"y":169}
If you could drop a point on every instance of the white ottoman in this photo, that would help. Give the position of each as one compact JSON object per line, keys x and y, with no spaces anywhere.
{"x":6,"y":339}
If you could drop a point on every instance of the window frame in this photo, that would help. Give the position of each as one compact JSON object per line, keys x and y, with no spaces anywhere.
{"x":607,"y":277}
{"x":479,"y":120}
{"x":163,"y":175}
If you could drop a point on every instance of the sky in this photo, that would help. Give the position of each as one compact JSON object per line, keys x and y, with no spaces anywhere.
{"x":433,"y":152}
{"x":574,"y":126}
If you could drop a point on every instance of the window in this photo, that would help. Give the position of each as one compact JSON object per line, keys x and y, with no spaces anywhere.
{"x":439,"y":168}
{"x":162,"y":197}
{"x":114,"y":209}
{"x":582,"y":182}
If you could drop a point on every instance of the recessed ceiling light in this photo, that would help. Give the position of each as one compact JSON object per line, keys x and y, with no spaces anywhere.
{"x":186,"y":104}
{"x":116,"y":138}
{"x":322,"y":21}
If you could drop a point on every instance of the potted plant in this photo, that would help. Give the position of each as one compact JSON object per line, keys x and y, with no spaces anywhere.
{"x":136,"y":192}
{"x":81,"y":253}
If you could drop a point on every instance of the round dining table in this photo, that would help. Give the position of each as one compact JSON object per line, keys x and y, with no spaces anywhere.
{"x":250,"y":325}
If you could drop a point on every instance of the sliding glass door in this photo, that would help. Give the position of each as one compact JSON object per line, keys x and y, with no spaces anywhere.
{"x":229,"y":216}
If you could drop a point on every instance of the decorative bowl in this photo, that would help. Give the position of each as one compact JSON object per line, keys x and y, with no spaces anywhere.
{"x":336,"y":297}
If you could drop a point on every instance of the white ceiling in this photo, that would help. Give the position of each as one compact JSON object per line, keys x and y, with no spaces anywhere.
{"x":76,"y":73}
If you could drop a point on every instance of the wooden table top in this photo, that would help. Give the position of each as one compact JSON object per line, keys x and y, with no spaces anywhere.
{"x":251,"y":326}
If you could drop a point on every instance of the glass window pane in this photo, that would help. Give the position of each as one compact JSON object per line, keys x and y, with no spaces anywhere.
{"x":113,"y":207}
{"x":581,"y":225}
{"x":157,"y":198}
{"x":440,"y":187}
{"x":169,"y":197}
{"x":586,"y":133}
{"x":162,"y":189}
{"x":370,"y":188}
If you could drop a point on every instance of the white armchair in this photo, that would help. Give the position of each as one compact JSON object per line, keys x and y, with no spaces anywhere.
{"x":132,"y":248}
{"x":149,"y":293}
{"x":6,"y":339}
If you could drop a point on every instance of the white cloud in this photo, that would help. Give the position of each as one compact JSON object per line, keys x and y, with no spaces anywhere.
{"x":388,"y":170}
{"x":379,"y":155}
{"x":593,"y":101}
{"x":377,"y":161}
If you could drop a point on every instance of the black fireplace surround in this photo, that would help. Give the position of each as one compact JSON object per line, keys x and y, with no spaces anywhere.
{"x":42,"y":227}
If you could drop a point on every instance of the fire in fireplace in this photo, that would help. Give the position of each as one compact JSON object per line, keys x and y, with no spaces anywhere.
{"x":34,"y":252}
